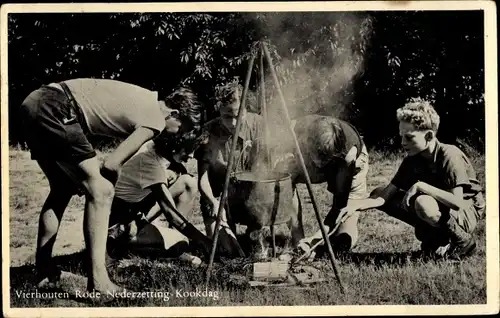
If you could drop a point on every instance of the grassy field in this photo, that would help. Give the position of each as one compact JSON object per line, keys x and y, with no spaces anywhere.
{"x":384,"y":267}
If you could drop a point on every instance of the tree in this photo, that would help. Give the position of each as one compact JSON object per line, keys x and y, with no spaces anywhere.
{"x":358,"y":66}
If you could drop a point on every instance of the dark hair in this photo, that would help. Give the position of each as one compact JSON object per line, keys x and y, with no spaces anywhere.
{"x":168,"y":145}
{"x":226,"y":94}
{"x":190,"y":108}
{"x":327,"y":137}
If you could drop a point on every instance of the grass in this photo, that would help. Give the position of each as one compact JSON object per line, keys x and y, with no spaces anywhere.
{"x":384,"y":267}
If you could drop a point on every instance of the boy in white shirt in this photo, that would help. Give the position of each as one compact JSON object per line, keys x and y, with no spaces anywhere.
{"x":152,"y":183}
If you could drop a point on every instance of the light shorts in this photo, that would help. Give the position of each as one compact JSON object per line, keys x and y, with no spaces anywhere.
{"x":468,"y":217}
{"x":158,"y":235}
{"x":359,"y":188}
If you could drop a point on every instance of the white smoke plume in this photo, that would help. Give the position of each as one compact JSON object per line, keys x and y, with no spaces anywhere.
{"x":317,"y":63}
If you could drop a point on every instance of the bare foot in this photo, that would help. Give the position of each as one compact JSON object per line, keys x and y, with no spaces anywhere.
{"x":49,"y":278}
{"x":47,"y":283}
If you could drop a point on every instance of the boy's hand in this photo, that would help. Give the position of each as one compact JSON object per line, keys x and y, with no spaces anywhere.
{"x":171,"y":177}
{"x":415,"y":189}
{"x":110,"y":171}
{"x":348,"y":210}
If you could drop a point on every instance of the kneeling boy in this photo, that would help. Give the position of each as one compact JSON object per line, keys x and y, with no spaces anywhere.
{"x":153,"y":182}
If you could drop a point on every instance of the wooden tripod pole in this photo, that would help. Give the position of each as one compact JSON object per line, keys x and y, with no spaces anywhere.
{"x":266,"y":138}
{"x":304,"y":169}
{"x":264,"y":110}
{"x":230,"y":164}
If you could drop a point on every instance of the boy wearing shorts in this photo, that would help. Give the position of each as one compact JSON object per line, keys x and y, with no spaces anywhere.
{"x":57,"y":119}
{"x":435,"y":189}
{"x":333,"y":152}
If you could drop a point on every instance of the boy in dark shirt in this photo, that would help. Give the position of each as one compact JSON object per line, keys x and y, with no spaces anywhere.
{"x":435,"y":189}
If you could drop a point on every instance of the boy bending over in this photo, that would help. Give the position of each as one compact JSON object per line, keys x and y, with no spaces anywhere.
{"x":435,"y":189}
{"x":57,"y":120}
{"x":333,"y":152}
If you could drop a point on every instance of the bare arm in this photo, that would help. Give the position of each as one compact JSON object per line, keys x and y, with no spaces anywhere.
{"x":203,"y":182}
{"x":452,"y":199}
{"x":125,"y":150}
{"x":153,"y":214}
{"x":376,"y":199}
{"x":178,"y":221}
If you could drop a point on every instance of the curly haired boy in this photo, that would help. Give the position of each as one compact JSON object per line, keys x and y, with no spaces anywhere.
{"x":435,"y":189}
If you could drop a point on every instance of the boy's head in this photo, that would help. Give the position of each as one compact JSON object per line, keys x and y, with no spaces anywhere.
{"x":228,"y":104}
{"x":418,"y":125}
{"x":179,"y":147}
{"x":325,"y":141}
{"x":184,"y":111}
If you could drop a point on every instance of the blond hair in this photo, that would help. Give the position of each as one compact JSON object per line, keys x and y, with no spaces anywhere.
{"x":326,"y":137}
{"x":420,"y":113}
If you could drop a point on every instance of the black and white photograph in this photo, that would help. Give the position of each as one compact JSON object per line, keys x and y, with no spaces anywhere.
{"x":235,"y":159}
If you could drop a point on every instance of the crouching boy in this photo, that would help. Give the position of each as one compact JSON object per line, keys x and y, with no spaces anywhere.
{"x":154,"y":183}
{"x":435,"y":189}
{"x":213,"y":156}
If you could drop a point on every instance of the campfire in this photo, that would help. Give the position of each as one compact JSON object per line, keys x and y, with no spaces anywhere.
{"x":271,"y":185}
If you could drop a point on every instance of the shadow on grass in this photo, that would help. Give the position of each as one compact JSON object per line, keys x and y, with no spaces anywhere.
{"x":145,"y":271}
{"x":380,"y":259}
{"x":73,"y":263}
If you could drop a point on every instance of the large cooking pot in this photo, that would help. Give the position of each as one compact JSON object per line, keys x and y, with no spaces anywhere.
{"x":258,"y":200}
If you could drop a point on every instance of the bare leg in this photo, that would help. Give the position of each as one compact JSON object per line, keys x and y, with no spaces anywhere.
{"x":427,"y":209}
{"x":462,"y":243}
{"x":48,"y":227}
{"x":50,"y":218}
{"x":99,"y":196}
{"x":295,"y":224}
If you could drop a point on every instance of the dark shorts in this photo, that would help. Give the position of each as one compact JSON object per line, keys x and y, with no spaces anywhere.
{"x":54,"y":129}
{"x":124,"y":212}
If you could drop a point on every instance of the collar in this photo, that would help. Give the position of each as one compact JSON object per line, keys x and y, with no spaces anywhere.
{"x":218,"y":130}
{"x":436,"y":150}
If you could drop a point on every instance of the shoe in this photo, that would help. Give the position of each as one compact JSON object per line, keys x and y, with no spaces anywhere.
{"x":462,"y":243}
{"x":434,"y":250}
{"x":341,"y":242}
{"x":462,"y":250}
{"x":190,"y":259}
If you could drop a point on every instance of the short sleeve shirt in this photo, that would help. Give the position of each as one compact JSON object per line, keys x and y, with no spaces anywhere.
{"x":116,"y":109}
{"x":218,"y":147}
{"x":144,"y":169}
{"x":448,"y":169}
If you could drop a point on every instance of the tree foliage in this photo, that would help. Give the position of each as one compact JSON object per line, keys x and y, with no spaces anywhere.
{"x":359,"y":66}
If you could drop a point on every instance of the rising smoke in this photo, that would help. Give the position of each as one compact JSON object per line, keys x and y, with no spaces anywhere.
{"x":318,"y":57}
